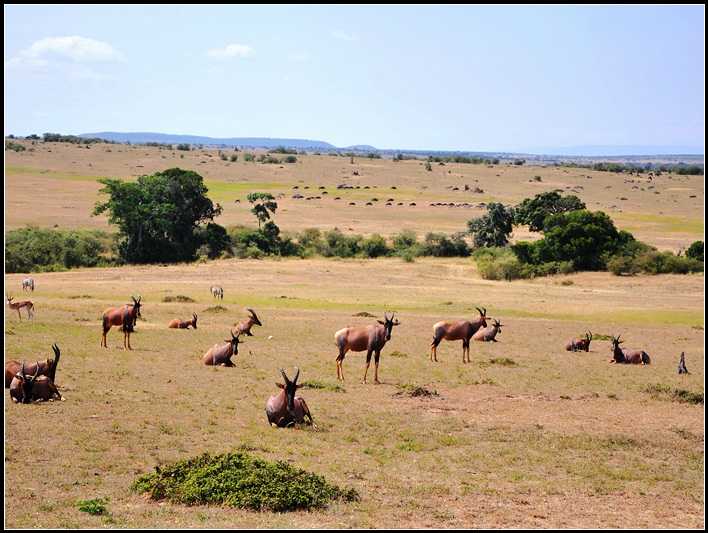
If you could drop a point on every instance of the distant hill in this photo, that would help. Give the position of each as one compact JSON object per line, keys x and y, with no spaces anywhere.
{"x":361,"y":148}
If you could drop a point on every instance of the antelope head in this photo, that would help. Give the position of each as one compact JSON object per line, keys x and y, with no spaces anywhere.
{"x":290,"y":387}
{"x":616,"y":342}
{"x":498,"y":325}
{"x":234,"y":342}
{"x":482,"y":316}
{"x":9,"y":299}
{"x":136,"y":306}
{"x":194,"y":320}
{"x":27,"y":383}
{"x":388,"y":324}
{"x":253,"y":316}
{"x":588,"y":337}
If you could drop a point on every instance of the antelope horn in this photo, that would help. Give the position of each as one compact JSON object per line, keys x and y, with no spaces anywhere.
{"x":485,"y":311}
{"x":284,"y":376}
{"x":297,"y":375}
{"x":22,"y":371}
{"x":478,"y":309}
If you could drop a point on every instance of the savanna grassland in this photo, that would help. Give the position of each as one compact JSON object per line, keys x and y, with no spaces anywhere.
{"x":526,"y":435}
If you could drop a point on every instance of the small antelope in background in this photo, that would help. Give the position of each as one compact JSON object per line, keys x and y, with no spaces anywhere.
{"x":285,"y":409}
{"x":220,"y":354}
{"x":183,"y":324}
{"x":628,"y":357}
{"x":26,"y":304}
{"x":28,"y":284}
{"x":682,"y":365}
{"x":370,"y":338}
{"x":124,"y":316}
{"x":48,"y":367}
{"x":489,"y":333}
{"x":246,"y":324}
{"x":578,"y":344}
{"x":462,"y":330}
{"x":28,"y":388}
{"x":217,"y":292}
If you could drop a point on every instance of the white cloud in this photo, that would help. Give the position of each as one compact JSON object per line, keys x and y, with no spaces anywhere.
{"x":231,"y":50}
{"x":344,"y":36}
{"x":73,"y":48}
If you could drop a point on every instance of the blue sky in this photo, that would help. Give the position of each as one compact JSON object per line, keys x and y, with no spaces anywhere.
{"x":456,"y":77}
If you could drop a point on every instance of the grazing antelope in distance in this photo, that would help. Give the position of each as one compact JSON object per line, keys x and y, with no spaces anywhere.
{"x":578,"y":344}
{"x":245,"y":325}
{"x":28,"y":388}
{"x":462,"y":330}
{"x":285,"y":409}
{"x":124,"y":316}
{"x":220,"y":354}
{"x":48,"y":367}
{"x":217,"y":292}
{"x":682,"y":365}
{"x":183,"y":324}
{"x":629,"y":357}
{"x":489,"y":333}
{"x":28,"y":284}
{"x":19,"y":305}
{"x":359,"y":338}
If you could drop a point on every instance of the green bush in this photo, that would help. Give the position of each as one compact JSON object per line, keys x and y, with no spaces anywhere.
{"x":17,"y":147}
{"x":695,"y":251}
{"x":375,"y":246}
{"x":290,"y":159}
{"x":494,"y":228}
{"x":503,"y":264}
{"x":184,"y":147}
{"x":96,"y":506}
{"x":336,"y":244}
{"x":442,"y":245}
{"x":249,"y":157}
{"x":233,"y":158}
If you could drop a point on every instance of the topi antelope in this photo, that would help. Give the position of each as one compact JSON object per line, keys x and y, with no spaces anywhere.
{"x":220,"y":354}
{"x":27,"y":388}
{"x":489,"y":333}
{"x":462,"y":330}
{"x":629,"y":357}
{"x":28,"y":284}
{"x":48,"y":367}
{"x":285,"y":409}
{"x":217,"y":292}
{"x":370,"y":338}
{"x":19,"y":305}
{"x":183,"y":324}
{"x":245,"y":325}
{"x":682,"y":365}
{"x":124,"y":316}
{"x":578,"y":344}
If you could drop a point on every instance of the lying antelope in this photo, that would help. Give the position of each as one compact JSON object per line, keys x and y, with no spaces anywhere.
{"x":48,"y":367}
{"x":124,"y":316}
{"x":576,"y":345}
{"x":285,"y":409}
{"x":28,"y":284}
{"x":217,"y":292}
{"x":183,"y":324}
{"x":370,"y":338}
{"x":19,"y":305}
{"x":629,"y":357}
{"x":29,"y":388}
{"x":462,"y":330}
{"x":489,"y":333}
{"x":246,"y":324}
{"x":220,"y":354}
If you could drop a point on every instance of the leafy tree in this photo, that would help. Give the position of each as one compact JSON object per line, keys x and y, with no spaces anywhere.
{"x":494,"y":228}
{"x":158,"y":215}
{"x":263,"y":205}
{"x":695,"y":251}
{"x":533,"y":211}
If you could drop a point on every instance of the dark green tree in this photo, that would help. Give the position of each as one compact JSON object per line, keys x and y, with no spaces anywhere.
{"x":695,"y":251}
{"x":494,"y":228}
{"x":263,"y":205}
{"x":533,"y":211}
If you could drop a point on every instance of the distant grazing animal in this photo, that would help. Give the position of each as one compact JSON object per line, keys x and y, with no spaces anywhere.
{"x":124,"y":316}
{"x":183,"y":324}
{"x":245,"y":325}
{"x":576,"y":345}
{"x":217,"y":292}
{"x":462,"y":330}
{"x":489,"y":333}
{"x":285,"y":409}
{"x":629,"y":357}
{"x":28,"y":284}
{"x":370,"y":338}
{"x":220,"y":354}
{"x":19,"y":305}
{"x":682,"y":365}
{"x":28,"y":388}
{"x":47,"y":367}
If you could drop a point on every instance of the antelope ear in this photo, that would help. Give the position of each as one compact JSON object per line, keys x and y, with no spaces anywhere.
{"x":381,"y":322}
{"x":280,"y":385}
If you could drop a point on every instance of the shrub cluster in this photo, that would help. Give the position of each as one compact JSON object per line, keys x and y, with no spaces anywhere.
{"x":502,"y":264}
{"x":17,"y":147}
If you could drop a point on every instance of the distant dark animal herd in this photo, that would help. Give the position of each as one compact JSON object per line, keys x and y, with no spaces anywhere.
{"x":30,"y":382}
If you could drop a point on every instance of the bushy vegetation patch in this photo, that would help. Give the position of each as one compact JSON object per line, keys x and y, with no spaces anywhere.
{"x":415,"y":391}
{"x":666,"y":392}
{"x":241,"y":480}
{"x":96,"y":506}
{"x":215,"y":309}
{"x":178,"y":298}
{"x":321,"y":385}
{"x":503,"y":264}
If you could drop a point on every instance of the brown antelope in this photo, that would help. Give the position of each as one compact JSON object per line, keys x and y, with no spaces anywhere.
{"x":220,"y":354}
{"x":183,"y":324}
{"x":454,"y":331}
{"x":576,"y":345}
{"x":489,"y":333}
{"x":629,"y":357}
{"x":124,"y":316}
{"x":48,"y":367}
{"x":245,"y":325}
{"x":370,"y":338}
{"x":682,"y":365}
{"x":28,"y":388}
{"x":285,"y":409}
{"x":19,"y":305}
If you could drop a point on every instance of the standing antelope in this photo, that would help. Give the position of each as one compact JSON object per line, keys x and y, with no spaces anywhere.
{"x":682,"y":365}
{"x":28,"y":284}
{"x":370,"y":338}
{"x":454,"y":331}
{"x":217,"y":292}
{"x":285,"y":409}
{"x":19,"y":305}
{"x":183,"y":324}
{"x":124,"y":316}
{"x":489,"y":333}
{"x":25,"y":389}
{"x":578,"y":344}
{"x":629,"y":357}
{"x":48,"y":367}
{"x":245,"y":325}
{"x":220,"y":354}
